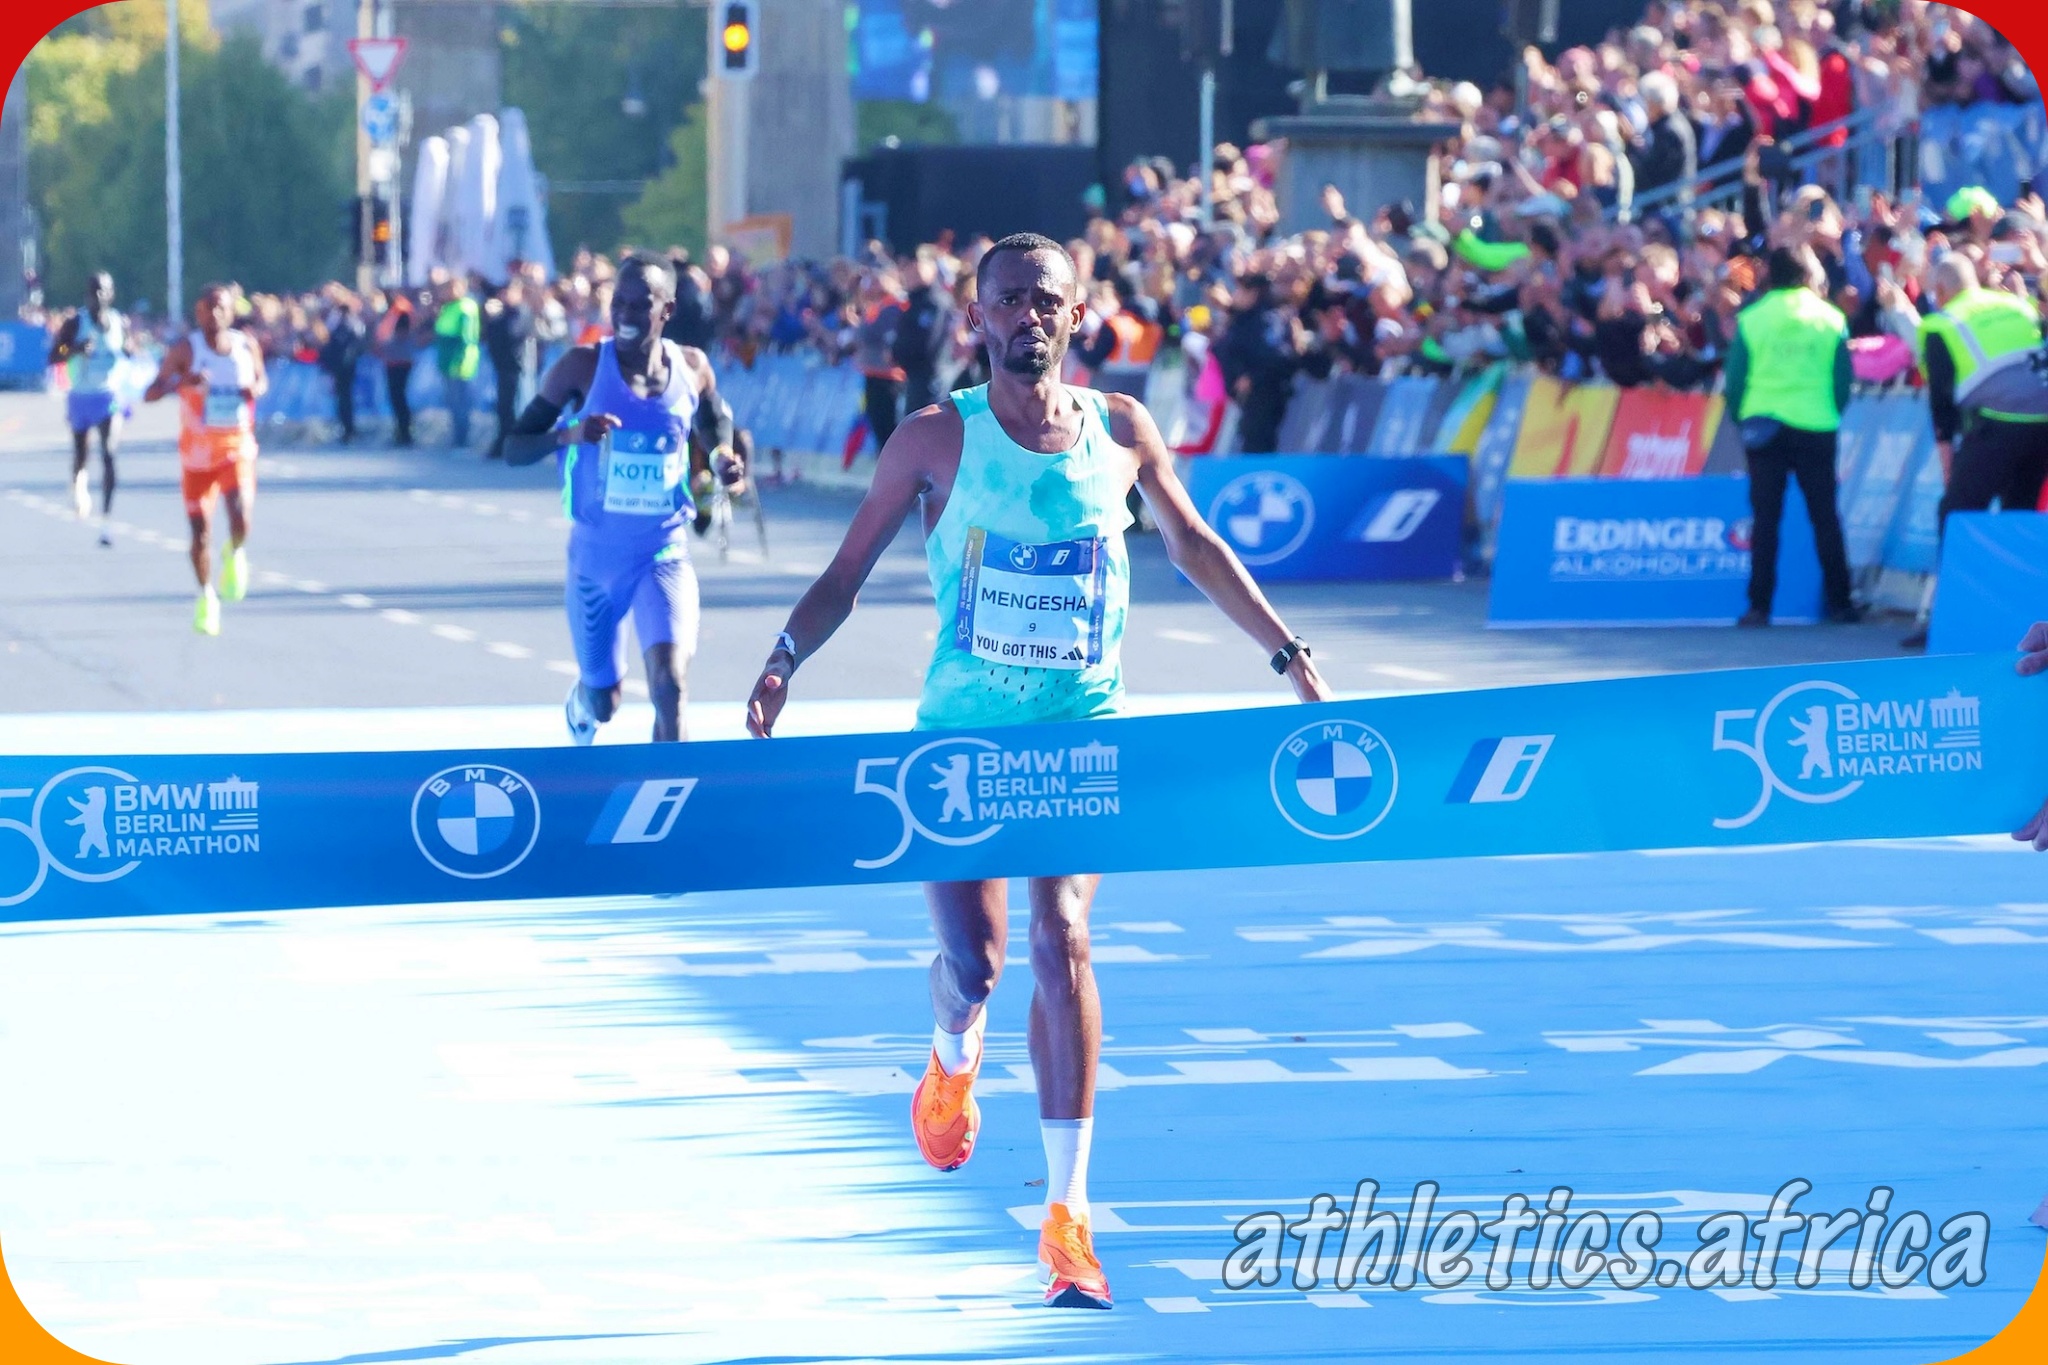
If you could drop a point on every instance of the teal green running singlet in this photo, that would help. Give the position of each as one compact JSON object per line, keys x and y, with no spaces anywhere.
{"x":1031,"y":576}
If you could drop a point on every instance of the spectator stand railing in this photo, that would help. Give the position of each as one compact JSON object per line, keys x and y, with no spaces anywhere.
{"x":1837,"y":155}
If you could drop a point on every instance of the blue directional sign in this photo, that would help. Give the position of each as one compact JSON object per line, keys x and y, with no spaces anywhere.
{"x":380,"y":119}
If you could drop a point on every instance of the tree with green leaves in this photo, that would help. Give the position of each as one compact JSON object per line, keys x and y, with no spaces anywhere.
{"x":612,"y":97}
{"x":267,"y":168}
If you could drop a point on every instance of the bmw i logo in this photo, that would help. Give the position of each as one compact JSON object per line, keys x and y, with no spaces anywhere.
{"x":1334,"y":779}
{"x":476,"y":820}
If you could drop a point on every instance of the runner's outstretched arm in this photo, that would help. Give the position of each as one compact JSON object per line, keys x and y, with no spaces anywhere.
{"x":533,"y":436}
{"x":170,"y":374}
{"x":1198,"y":551}
{"x":61,"y":345}
{"x":712,"y":426}
{"x":903,"y":474}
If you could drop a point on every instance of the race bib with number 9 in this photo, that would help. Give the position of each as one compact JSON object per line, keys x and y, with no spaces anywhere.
{"x":642,"y":473}
{"x":224,"y":409}
{"x":1037,"y":606}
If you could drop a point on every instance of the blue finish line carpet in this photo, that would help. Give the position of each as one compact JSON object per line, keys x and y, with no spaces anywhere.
{"x":651,"y":1129}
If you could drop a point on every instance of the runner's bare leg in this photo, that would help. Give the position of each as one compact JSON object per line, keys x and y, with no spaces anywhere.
{"x":1066,"y":1012}
{"x":972,"y":921}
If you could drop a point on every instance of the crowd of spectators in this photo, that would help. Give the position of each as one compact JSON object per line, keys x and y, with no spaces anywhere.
{"x":1534,"y":251}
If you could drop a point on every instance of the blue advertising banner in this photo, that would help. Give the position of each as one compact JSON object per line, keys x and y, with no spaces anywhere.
{"x":1994,"y":581}
{"x":1324,"y":517}
{"x":1403,"y":427}
{"x":23,"y":349}
{"x":1641,"y":552}
{"x":1885,"y":749}
{"x":1885,"y":442}
{"x":1914,"y":544}
{"x":1497,"y":447}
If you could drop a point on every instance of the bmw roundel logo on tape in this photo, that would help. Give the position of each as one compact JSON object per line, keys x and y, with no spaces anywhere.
{"x":1335,"y":779}
{"x":475,"y":820}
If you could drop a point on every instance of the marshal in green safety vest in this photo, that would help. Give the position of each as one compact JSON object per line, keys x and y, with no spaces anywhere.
{"x":1986,"y":332}
{"x":1793,"y":344}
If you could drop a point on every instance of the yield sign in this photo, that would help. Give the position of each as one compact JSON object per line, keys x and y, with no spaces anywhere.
{"x":377,"y":58}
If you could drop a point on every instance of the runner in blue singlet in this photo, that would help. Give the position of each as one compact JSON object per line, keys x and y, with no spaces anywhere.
{"x":1022,"y":484}
{"x":91,"y":345}
{"x":625,"y":465}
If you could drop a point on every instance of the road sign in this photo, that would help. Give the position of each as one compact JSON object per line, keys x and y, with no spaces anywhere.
{"x":377,"y":58}
{"x":380,"y":119}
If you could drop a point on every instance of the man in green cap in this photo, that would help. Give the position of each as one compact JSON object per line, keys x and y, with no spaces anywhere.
{"x":1789,"y":376}
{"x":1975,"y":211}
{"x":1976,"y":352}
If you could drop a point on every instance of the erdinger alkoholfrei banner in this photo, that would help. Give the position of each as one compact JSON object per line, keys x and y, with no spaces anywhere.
{"x":1921,"y":747}
{"x":1641,"y":552}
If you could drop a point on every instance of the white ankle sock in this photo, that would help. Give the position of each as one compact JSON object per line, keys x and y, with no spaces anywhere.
{"x":1066,"y":1162}
{"x":960,"y":1051}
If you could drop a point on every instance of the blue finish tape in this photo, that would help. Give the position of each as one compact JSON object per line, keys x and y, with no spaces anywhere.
{"x":1888,"y":749}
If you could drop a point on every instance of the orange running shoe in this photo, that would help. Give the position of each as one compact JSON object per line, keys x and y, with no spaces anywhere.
{"x":1073,"y":1277}
{"x":944,"y":1116}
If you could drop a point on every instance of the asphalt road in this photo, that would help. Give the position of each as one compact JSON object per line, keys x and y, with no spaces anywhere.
{"x":428,"y":578}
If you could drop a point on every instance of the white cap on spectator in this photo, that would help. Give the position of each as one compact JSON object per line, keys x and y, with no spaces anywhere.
{"x":1659,"y":92}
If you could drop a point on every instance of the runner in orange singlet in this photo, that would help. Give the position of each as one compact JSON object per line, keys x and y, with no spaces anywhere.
{"x":217,"y":373}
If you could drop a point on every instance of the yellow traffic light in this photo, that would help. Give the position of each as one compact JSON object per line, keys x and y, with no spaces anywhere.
{"x":736,"y":39}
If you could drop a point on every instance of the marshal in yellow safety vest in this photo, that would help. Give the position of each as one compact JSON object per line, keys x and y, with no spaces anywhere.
{"x":1792,"y":340}
{"x":1986,"y":333}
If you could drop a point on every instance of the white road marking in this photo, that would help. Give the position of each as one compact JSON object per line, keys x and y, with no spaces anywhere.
{"x":564,"y":667}
{"x":462,"y":635}
{"x":400,"y":616}
{"x":509,"y":651}
{"x":356,"y":600}
{"x":1187,"y":637}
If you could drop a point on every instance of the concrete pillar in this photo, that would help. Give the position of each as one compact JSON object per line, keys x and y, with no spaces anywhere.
{"x":452,"y":69}
{"x":798,"y":113}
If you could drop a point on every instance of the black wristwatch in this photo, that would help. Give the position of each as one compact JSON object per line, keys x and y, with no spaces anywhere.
{"x":1287,"y":652}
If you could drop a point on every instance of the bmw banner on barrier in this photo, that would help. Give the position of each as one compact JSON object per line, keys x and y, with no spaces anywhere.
{"x":1336,"y":517}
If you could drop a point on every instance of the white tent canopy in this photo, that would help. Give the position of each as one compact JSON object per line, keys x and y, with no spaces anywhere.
{"x":477,"y":202}
{"x":429,"y":186}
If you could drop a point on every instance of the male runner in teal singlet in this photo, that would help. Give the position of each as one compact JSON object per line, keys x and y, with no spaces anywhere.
{"x":1023,"y":482}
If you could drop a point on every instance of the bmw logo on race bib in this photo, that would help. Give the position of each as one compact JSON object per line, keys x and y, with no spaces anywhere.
{"x":1334,"y":779}
{"x":475,"y":820}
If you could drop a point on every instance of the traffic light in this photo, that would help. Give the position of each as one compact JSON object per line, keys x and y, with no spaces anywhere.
{"x":380,"y":232}
{"x":737,"y":59}
{"x":377,"y":230}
